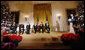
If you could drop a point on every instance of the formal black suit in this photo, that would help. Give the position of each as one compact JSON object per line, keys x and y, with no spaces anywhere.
{"x":14,"y":28}
{"x":41,"y":27}
{"x":75,"y":20}
{"x":75,"y":23}
{"x":28,"y":29}
{"x":21,"y":27}
{"x":35,"y":28}
{"x":47,"y":27}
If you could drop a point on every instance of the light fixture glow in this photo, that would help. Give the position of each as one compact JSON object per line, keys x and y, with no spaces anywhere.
{"x":58,"y":14}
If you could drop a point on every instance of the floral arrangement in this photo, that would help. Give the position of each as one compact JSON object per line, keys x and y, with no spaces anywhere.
{"x":13,"y":38}
{"x":5,"y":33}
{"x":70,"y":37}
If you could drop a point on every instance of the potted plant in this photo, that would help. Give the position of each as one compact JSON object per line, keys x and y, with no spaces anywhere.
{"x":69,"y":38}
{"x":13,"y":38}
{"x":6,"y":38}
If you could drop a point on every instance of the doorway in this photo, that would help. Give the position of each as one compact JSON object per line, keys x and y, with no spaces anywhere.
{"x":15,"y":16}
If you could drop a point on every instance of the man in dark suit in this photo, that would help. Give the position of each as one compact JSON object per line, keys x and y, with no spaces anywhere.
{"x":21,"y":28}
{"x":72,"y":18}
{"x":75,"y":23}
{"x":28,"y":29}
{"x":47,"y":27}
{"x":35,"y":27}
{"x":13,"y":27}
{"x":41,"y":27}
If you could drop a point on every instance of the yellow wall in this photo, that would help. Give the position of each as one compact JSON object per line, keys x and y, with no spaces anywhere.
{"x":41,"y":11}
{"x":58,"y":9}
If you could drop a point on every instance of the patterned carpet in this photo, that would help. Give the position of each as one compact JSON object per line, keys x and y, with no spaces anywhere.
{"x":42,"y":41}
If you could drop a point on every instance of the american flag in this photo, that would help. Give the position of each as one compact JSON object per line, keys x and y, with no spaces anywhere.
{"x":46,"y":18}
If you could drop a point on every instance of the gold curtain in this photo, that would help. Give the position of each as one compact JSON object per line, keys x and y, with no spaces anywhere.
{"x":41,"y":11}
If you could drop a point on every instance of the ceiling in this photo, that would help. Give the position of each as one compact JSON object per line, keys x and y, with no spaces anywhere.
{"x":37,"y":2}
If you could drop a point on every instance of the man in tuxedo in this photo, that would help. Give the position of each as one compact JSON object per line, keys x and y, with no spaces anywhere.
{"x":21,"y":28}
{"x":75,"y":22}
{"x":13,"y":27}
{"x":35,"y":27}
{"x":28,"y":29}
{"x":47,"y":27}
{"x":41,"y":27}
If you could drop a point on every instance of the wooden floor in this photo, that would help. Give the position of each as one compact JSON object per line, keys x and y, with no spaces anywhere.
{"x":42,"y":41}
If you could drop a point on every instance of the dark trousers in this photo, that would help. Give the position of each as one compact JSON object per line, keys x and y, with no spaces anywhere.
{"x":21,"y":31}
{"x":41,"y":29}
{"x":35,"y":30}
{"x":76,"y":30}
{"x":14,"y":31}
{"x":28,"y":31}
{"x":48,"y":29}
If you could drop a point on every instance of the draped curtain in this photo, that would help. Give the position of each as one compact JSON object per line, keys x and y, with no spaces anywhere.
{"x":41,"y":11}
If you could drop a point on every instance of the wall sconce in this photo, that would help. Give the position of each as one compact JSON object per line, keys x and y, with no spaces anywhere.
{"x":26,"y":18}
{"x":58,"y":15}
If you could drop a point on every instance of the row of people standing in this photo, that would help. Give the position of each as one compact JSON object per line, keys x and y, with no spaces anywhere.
{"x":41,"y":27}
{"x":35,"y":28}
